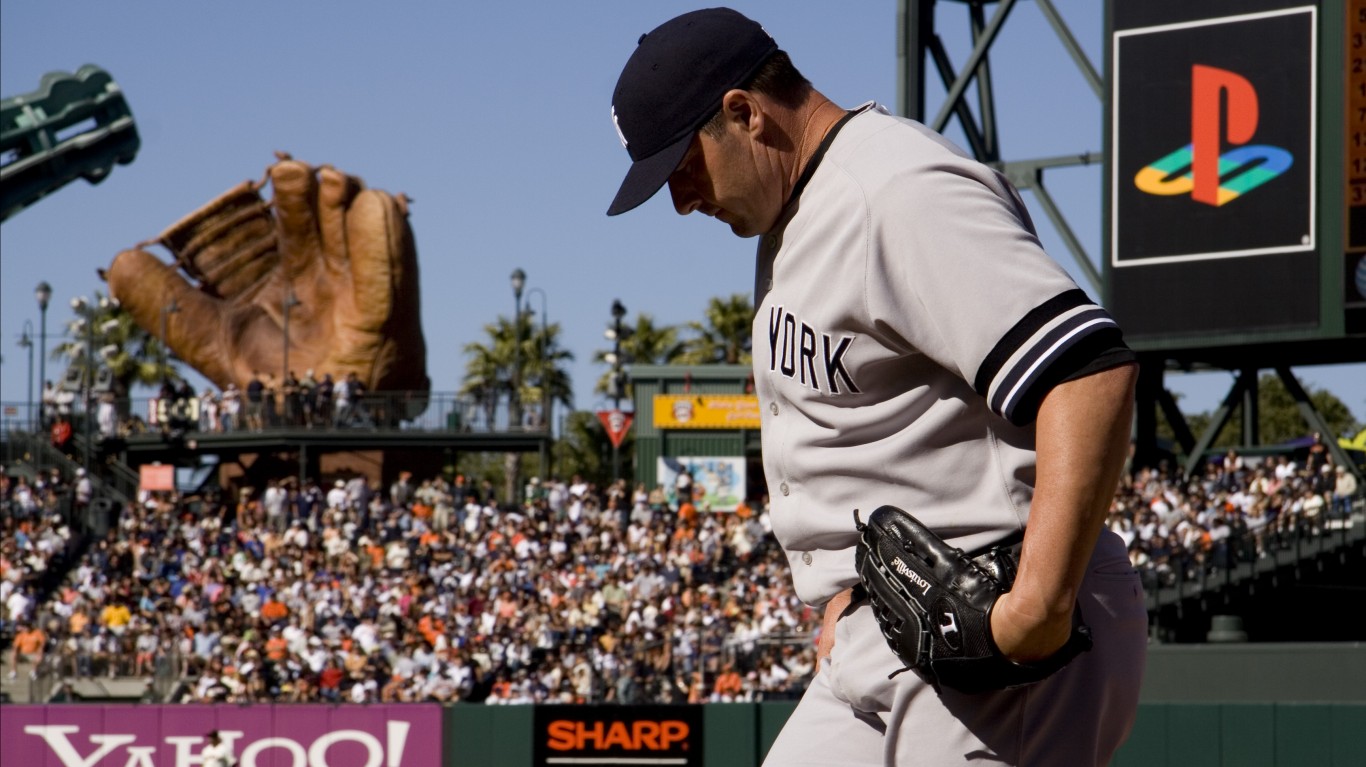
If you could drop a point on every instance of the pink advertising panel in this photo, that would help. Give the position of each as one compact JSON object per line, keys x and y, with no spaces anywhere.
{"x":259,"y":735}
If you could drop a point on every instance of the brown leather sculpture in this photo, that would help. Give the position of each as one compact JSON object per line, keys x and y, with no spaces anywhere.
{"x":344,"y":252}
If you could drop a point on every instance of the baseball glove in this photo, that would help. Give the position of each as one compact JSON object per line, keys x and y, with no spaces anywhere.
{"x":340,"y":257}
{"x":933,"y":603}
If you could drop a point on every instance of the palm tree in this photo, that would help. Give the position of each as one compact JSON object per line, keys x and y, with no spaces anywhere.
{"x":725,"y":337}
{"x":645,"y":344}
{"x":487,"y":374}
{"x":544,"y":363}
{"x":493,"y":371}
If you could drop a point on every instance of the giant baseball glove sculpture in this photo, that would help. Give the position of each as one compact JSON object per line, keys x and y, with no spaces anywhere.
{"x":344,"y":252}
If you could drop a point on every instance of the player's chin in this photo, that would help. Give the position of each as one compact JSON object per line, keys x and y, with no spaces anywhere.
{"x":741,"y":227}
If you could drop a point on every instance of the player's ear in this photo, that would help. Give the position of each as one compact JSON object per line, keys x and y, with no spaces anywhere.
{"x":742,"y":110}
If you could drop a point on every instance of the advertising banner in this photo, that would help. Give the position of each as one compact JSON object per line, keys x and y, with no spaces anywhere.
{"x":718,"y":484}
{"x":616,"y":423}
{"x":706,"y":411}
{"x":260,"y":736}
{"x":1213,"y":219}
{"x":159,"y":476}
{"x":615,"y":735}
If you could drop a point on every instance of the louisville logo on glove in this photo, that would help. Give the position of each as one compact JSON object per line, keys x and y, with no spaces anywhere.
{"x":933,"y":603}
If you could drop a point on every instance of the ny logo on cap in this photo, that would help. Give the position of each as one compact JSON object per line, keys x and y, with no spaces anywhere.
{"x":620,"y":135}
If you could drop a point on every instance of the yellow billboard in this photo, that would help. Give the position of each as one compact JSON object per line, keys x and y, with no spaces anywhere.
{"x":706,"y":411}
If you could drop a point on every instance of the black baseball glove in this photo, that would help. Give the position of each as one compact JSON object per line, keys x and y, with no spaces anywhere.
{"x":934,"y":603}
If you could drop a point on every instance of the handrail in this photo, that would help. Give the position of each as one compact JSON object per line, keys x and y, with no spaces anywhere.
{"x":380,"y":411}
{"x":1243,"y":556}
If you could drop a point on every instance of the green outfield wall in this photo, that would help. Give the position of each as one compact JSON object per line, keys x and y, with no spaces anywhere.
{"x":1211,"y":705}
{"x":1164,"y":735}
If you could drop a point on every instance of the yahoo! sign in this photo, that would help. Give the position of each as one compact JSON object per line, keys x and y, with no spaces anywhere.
{"x":260,"y":736}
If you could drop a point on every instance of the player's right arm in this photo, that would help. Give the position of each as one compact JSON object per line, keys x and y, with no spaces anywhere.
{"x":1082,"y":437}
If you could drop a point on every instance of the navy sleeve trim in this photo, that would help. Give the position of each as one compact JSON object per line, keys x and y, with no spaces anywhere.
{"x":1059,"y":339}
{"x":1099,"y":351}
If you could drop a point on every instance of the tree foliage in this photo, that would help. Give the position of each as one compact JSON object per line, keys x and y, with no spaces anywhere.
{"x":519,"y":361}
{"x":724,"y":338}
{"x":643,"y":343}
{"x":104,"y":336}
{"x":526,"y":357}
{"x":584,"y":448}
{"x":1279,"y":419}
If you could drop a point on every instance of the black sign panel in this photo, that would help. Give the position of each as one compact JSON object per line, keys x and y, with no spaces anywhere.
{"x":1212,"y":175}
{"x":652,"y":736}
{"x":1214,"y":124}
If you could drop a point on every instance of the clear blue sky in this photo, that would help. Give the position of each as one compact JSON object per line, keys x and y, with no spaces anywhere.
{"x":493,"y":117}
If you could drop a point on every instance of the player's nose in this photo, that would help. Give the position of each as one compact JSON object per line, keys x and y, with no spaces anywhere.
{"x":686,"y":200}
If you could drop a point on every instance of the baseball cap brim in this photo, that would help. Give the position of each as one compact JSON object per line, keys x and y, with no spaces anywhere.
{"x":648,"y":175}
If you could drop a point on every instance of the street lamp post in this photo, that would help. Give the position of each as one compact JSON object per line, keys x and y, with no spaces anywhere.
{"x":44,"y":294}
{"x":513,"y":461}
{"x":166,"y":310}
{"x":290,"y":302}
{"x":88,"y":379}
{"x":618,"y":311}
{"x":515,"y":396}
{"x":547,"y":401}
{"x":26,"y":342}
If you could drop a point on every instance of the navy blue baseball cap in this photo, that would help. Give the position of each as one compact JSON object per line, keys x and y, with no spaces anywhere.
{"x":672,"y":85}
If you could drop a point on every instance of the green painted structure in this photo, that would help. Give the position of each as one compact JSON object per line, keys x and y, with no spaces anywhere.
{"x":652,"y":443}
{"x":1211,"y":705}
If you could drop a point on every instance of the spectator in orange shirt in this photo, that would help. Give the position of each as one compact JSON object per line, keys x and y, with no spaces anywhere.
{"x":78,"y":621}
{"x":274,"y":611}
{"x":276,"y":647}
{"x":28,"y":647}
{"x":684,"y":532}
{"x":375,"y":551}
{"x":728,"y":684}
{"x":430,"y":626}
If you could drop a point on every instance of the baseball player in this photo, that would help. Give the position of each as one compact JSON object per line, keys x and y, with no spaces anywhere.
{"x":919,"y":358}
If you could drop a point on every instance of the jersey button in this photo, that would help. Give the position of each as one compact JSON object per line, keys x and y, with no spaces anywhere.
{"x":806,"y":557}
{"x":783,"y":488}
{"x":773,"y":408}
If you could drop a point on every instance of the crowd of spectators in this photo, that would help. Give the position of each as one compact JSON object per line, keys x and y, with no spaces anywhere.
{"x":269,"y":401}
{"x":426,"y":590}
{"x":1238,"y":510}
{"x":266,"y":402}
{"x":432,"y":590}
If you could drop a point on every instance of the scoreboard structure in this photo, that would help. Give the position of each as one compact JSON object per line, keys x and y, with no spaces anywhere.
{"x":1235,"y":197}
{"x":1355,"y":141}
{"x":1233,"y":193}
{"x":1235,"y":185}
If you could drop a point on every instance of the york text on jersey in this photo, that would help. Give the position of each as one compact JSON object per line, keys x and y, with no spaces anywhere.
{"x":792,"y":351}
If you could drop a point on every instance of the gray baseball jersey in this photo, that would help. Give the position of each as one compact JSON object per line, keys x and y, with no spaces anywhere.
{"x":908,"y":322}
